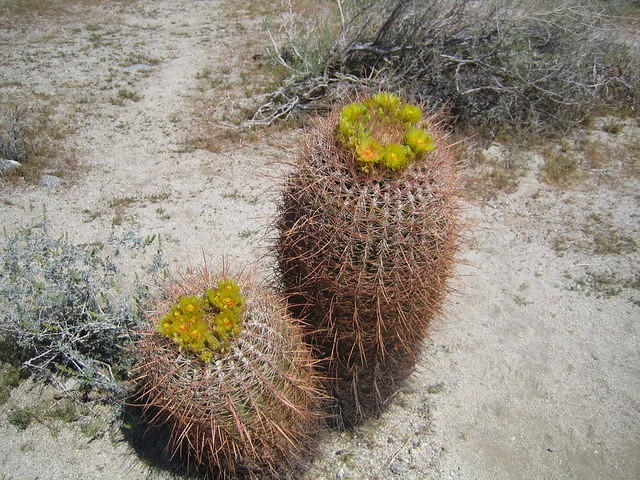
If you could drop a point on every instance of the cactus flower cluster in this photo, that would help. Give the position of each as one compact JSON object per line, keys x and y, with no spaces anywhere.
{"x":204,"y":324}
{"x":382,"y":131}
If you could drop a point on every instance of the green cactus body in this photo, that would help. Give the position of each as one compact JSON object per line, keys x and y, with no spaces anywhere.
{"x":250,"y":406}
{"x":366,"y":253}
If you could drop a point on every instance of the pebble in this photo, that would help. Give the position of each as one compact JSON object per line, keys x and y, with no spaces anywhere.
{"x":400,"y":466}
{"x":50,"y":181}
{"x":8,"y":165}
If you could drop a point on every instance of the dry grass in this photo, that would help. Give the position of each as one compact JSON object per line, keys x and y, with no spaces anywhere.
{"x":222,"y":110}
{"x":43,"y":137}
{"x":20,"y":10}
{"x":560,"y":167}
{"x":486,"y":175}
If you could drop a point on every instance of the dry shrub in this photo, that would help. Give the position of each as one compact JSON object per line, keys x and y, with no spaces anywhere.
{"x":61,"y":312}
{"x":496,"y":65}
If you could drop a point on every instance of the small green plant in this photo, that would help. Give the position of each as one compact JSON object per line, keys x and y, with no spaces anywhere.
{"x":205,"y":324}
{"x":126,"y":94}
{"x":21,"y":418}
{"x":48,"y":413}
{"x":66,"y":411}
{"x":382,"y":131}
{"x":92,"y":428}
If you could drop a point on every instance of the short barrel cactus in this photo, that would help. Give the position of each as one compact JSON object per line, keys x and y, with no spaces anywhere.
{"x":368,"y":230}
{"x":223,"y":365}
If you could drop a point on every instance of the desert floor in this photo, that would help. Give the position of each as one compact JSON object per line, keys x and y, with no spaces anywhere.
{"x":534,"y":371}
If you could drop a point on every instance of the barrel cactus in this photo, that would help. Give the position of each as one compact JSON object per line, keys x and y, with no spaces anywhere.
{"x":222,"y":365}
{"x":368,"y":229}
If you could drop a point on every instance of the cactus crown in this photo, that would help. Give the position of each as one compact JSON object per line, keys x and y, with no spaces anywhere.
{"x":205,"y":325}
{"x":383,"y":132}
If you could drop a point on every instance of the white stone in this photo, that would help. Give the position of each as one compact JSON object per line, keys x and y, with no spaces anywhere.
{"x":50,"y":181}
{"x":8,"y":165}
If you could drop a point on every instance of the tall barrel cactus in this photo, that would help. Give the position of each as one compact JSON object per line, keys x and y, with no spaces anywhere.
{"x":223,"y":365}
{"x":368,"y":231}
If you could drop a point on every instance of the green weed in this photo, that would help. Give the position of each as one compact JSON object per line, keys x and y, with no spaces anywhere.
{"x":21,"y":418}
{"x":9,"y":379}
{"x":126,"y":94}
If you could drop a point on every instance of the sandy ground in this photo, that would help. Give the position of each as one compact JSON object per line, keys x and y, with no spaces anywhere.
{"x":533,"y":373}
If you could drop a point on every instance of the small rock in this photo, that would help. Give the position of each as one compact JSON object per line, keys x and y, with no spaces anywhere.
{"x":50,"y":181}
{"x":8,"y":165}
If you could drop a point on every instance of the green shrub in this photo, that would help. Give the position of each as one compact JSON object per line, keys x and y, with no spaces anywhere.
{"x":61,"y":311}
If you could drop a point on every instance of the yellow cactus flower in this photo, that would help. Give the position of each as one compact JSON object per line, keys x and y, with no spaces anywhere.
{"x":354,"y":112}
{"x":410,"y":114}
{"x":395,"y":156}
{"x":381,"y":131}
{"x":212,"y":342}
{"x":187,"y":322}
{"x":190,"y":305}
{"x":226,"y":296}
{"x":419,"y":141}
{"x":369,"y":150}
{"x":388,"y":102}
{"x":206,"y":356}
{"x":164,"y":327}
{"x":225,"y":321}
{"x":346,"y":128}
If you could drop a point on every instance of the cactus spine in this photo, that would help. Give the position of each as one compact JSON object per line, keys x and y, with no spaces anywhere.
{"x":368,"y":230}
{"x":244,"y":403}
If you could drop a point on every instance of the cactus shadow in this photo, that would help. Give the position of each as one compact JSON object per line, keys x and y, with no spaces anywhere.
{"x":149,"y":443}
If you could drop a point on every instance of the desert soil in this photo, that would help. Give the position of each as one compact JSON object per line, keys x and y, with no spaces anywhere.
{"x":534,"y":370}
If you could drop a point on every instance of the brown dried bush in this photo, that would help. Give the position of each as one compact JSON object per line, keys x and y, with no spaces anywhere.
{"x":501,"y":66}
